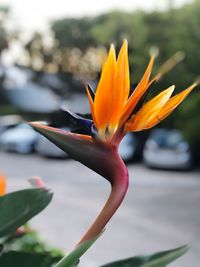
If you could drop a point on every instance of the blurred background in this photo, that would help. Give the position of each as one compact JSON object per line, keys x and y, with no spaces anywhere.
{"x":48,"y":51}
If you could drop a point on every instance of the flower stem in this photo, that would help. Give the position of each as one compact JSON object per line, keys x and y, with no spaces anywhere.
{"x":119,"y":182}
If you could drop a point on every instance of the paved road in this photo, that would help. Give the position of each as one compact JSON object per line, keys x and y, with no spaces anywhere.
{"x":161,"y":209}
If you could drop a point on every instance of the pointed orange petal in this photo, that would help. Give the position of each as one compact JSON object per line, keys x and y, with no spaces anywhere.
{"x":103,"y":101}
{"x":148,"y":111}
{"x":2,"y":184}
{"x":168,"y":65}
{"x":138,"y":92}
{"x":91,"y":104}
{"x":169,"y":107}
{"x":122,"y":72}
{"x":121,"y":84}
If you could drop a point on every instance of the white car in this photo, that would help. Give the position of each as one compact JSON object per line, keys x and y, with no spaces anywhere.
{"x":128,"y":148}
{"x":20,"y":139}
{"x":167,"y":149}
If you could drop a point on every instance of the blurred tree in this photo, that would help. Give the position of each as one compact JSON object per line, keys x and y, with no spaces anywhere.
{"x":3,"y":40}
{"x":8,"y":33}
{"x":80,"y":52}
{"x":41,"y":56}
{"x":4,"y":12}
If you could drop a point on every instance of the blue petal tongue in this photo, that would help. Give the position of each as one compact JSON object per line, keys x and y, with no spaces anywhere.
{"x":80,"y":124}
{"x":76,"y":120}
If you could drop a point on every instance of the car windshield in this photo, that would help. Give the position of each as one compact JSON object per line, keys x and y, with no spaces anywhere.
{"x":167,"y":138}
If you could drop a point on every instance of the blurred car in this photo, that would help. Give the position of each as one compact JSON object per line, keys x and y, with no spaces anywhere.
{"x":167,"y":149}
{"x":46,"y":148}
{"x":8,"y":121}
{"x":20,"y":139}
{"x":128,"y":148}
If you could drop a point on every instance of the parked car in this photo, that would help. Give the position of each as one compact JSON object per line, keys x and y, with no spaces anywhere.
{"x":128,"y":148}
{"x":46,"y":148}
{"x":8,"y":121}
{"x":21,"y":139}
{"x":167,"y":149}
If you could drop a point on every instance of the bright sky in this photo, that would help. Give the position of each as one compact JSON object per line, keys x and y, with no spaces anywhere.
{"x":34,"y":14}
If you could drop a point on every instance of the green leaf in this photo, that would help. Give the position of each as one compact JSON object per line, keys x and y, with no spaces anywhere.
{"x":72,"y":259}
{"x":24,"y":259}
{"x":19,"y":207}
{"x":160,"y":259}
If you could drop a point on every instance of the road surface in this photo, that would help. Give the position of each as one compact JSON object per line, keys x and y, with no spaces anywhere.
{"x":160,"y":211}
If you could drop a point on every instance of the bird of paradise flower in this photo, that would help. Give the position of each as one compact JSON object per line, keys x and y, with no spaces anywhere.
{"x":115,"y":112}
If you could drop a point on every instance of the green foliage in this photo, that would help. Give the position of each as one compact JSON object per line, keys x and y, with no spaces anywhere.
{"x":22,"y":259}
{"x":3,"y":39}
{"x":28,"y":259}
{"x":22,"y":246}
{"x":27,"y":249}
{"x":190,"y":118}
{"x":29,"y":241}
{"x":19,"y":207}
{"x":4,"y":11}
{"x":72,"y":259}
{"x":73,"y":31}
{"x":160,"y":259}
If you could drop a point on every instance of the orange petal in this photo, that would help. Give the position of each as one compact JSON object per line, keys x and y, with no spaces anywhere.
{"x":2,"y":184}
{"x":121,"y":84}
{"x":123,"y":70}
{"x":103,"y":102}
{"x":91,"y":104}
{"x":138,"y":92}
{"x":148,"y":111}
{"x":170,"y":106}
{"x":167,"y":66}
